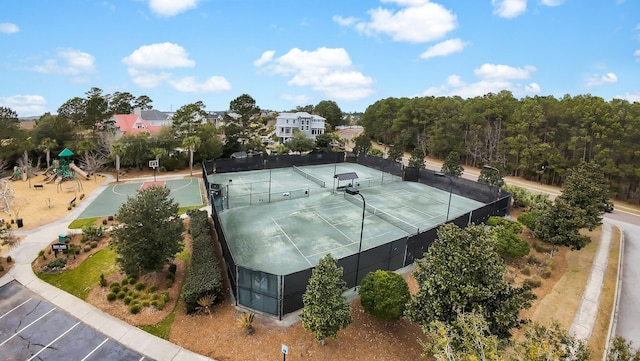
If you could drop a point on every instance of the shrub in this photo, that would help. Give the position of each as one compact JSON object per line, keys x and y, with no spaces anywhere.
{"x":205,"y":276}
{"x":94,"y":244}
{"x":139,"y":286}
{"x":91,"y":233}
{"x":165,"y":296}
{"x":151,"y":289}
{"x":121,"y":295}
{"x":529,"y":219}
{"x":130,"y":293}
{"x":542,"y":247}
{"x":1,"y":268}
{"x":154,"y":296}
{"x":9,"y":259}
{"x":509,"y":245}
{"x":246,"y":321}
{"x":127,"y":300}
{"x":548,"y":271}
{"x":144,"y":296}
{"x":81,"y":196}
{"x":384,"y":294}
{"x":145,"y":303}
{"x":103,"y":281}
{"x":124,"y":288}
{"x":86,"y":249}
{"x":533,"y":282}
{"x":526,"y":270}
{"x":169,"y":282}
{"x":512,"y":226}
{"x":111,"y":296}
{"x":57,"y":263}
{"x":134,"y":308}
{"x":104,"y":222}
{"x":124,"y":282}
{"x":114,"y":285}
{"x":41,"y":254}
{"x":159,"y":304}
{"x":173,"y":268}
{"x":132,"y":280}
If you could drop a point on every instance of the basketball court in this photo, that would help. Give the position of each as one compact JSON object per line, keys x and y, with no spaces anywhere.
{"x":186,"y":192}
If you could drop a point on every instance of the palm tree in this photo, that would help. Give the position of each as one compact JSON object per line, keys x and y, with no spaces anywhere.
{"x":117,"y":150}
{"x":191,"y":143}
{"x":46,"y":145}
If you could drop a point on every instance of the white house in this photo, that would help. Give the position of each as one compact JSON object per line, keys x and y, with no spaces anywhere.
{"x":310,"y":125}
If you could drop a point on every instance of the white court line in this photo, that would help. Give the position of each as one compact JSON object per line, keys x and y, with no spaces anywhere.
{"x":15,"y":308}
{"x":52,"y":342}
{"x":25,"y":327}
{"x":334,"y":227}
{"x":294,"y":245}
{"x":95,"y":349}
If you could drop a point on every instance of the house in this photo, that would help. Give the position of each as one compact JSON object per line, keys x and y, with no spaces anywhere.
{"x":310,"y":125}
{"x":150,"y":121}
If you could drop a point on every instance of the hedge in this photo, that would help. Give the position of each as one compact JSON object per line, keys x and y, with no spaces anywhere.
{"x":205,"y":276}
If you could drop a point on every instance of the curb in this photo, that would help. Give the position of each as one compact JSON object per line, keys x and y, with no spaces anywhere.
{"x":616,"y":298}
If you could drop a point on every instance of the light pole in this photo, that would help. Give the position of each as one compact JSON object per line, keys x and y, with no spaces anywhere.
{"x":354,"y":192}
{"x":440,"y":174}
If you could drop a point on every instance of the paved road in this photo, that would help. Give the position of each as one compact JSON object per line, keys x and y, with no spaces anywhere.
{"x":32,"y":328}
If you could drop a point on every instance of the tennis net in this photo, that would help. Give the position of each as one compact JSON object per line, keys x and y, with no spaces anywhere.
{"x":409,"y":228}
{"x":314,"y":179}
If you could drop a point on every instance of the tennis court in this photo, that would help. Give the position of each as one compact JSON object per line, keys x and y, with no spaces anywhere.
{"x":282,"y":237}
{"x":186,"y":192}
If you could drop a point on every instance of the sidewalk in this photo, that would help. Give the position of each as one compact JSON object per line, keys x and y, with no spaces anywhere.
{"x":145,"y":343}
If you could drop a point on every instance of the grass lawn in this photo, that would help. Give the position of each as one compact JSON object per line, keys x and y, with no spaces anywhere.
{"x":81,"y":280}
{"x":79,"y":223}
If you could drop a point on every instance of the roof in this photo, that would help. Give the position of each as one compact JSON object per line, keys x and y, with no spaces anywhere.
{"x":346,"y":176}
{"x":65,"y":153}
{"x":134,"y":124}
{"x":154,"y":114}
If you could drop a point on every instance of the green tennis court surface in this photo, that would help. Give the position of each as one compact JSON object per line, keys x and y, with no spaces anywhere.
{"x":287,"y":235}
{"x":186,"y":192}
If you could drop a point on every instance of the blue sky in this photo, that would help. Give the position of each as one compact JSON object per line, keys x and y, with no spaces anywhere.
{"x":286,"y":53}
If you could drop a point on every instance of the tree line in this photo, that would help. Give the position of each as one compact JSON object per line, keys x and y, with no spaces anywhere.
{"x":538,"y":138}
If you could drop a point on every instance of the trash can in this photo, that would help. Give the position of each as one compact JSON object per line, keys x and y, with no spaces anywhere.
{"x":62,"y":238}
{"x":19,"y":222}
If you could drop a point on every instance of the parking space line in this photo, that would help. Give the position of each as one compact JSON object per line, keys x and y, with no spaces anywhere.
{"x":25,"y":327}
{"x":15,"y":308}
{"x":95,"y":349}
{"x":51,"y":343}
{"x":142,"y":358}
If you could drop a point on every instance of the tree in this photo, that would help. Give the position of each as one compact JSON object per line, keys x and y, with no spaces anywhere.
{"x":451,"y":165}
{"x":136,"y":149}
{"x":491,"y":176}
{"x":191,"y":143}
{"x":621,"y":350}
{"x":187,"y":119}
{"x":550,"y":343}
{"x":329,"y":110}
{"x":417,"y":158}
{"x":97,"y":111}
{"x":46,"y":145}
{"x":244,"y":106}
{"x":73,"y":110}
{"x":323,"y":142}
{"x":299,"y":142}
{"x":384,"y":294}
{"x":121,"y":103}
{"x":150,"y":233}
{"x":508,"y":244}
{"x":116,"y":150}
{"x":9,"y":122}
{"x":461,"y":273}
{"x":559,"y":224}
{"x":362,"y":144}
{"x":586,"y":188}
{"x":326,"y":311}
{"x":395,"y":153}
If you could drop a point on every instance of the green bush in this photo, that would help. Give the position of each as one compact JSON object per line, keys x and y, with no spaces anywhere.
{"x":512,"y":226}
{"x":384,"y":294}
{"x":86,"y":249}
{"x":1,"y":268}
{"x":154,"y":296}
{"x":526,"y":270}
{"x":134,"y":308}
{"x":165,"y":296}
{"x":56,"y":263}
{"x":533,"y":282}
{"x":548,"y":271}
{"x":125,"y":282}
{"x":114,"y":284}
{"x":111,"y":296}
{"x":529,"y":219}
{"x":151,"y":289}
{"x":169,"y":282}
{"x":144,"y":296}
{"x":94,"y":244}
{"x":127,"y":300}
{"x":205,"y":276}
{"x":145,"y":303}
{"x":159,"y":304}
{"x":139,"y":286}
{"x":91,"y":232}
{"x":9,"y":259}
{"x":121,"y":294}
{"x":509,"y":245}
{"x":124,"y":288}
{"x":132,"y":280}
{"x":173,"y":268}
{"x":103,"y":281}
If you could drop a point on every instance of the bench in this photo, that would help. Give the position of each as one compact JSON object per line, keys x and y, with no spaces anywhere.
{"x":38,"y":186}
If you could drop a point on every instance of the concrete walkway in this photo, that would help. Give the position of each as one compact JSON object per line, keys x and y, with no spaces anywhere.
{"x":37,"y":239}
{"x":586,"y":314}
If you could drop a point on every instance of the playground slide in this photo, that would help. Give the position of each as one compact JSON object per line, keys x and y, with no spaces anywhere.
{"x":75,"y":168}
{"x":58,"y":179}
{"x":50,"y":178}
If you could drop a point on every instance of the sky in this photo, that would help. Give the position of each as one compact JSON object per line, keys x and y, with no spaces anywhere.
{"x":289,"y":53}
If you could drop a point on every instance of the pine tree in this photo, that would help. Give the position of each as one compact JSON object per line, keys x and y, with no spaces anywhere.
{"x":326,"y":311}
{"x":451,"y":165}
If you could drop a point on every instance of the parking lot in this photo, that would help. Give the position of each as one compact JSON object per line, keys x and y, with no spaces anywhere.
{"x":34,"y":329}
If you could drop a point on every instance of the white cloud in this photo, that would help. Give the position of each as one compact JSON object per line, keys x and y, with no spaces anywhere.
{"x":418,"y":21}
{"x":492,"y":79}
{"x":595,"y":80}
{"x":637,"y":54}
{"x":67,"y":62}
{"x":509,"y":8}
{"x":159,"y":56}
{"x":296,"y":99}
{"x":444,"y":48}
{"x":551,"y":2}
{"x":9,"y":28}
{"x":172,"y":7}
{"x":148,"y":64}
{"x":326,"y":70}
{"x":631,"y":97}
{"x":503,"y":72}
{"x":191,"y":85}
{"x":25,"y":105}
{"x":266,"y":57}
